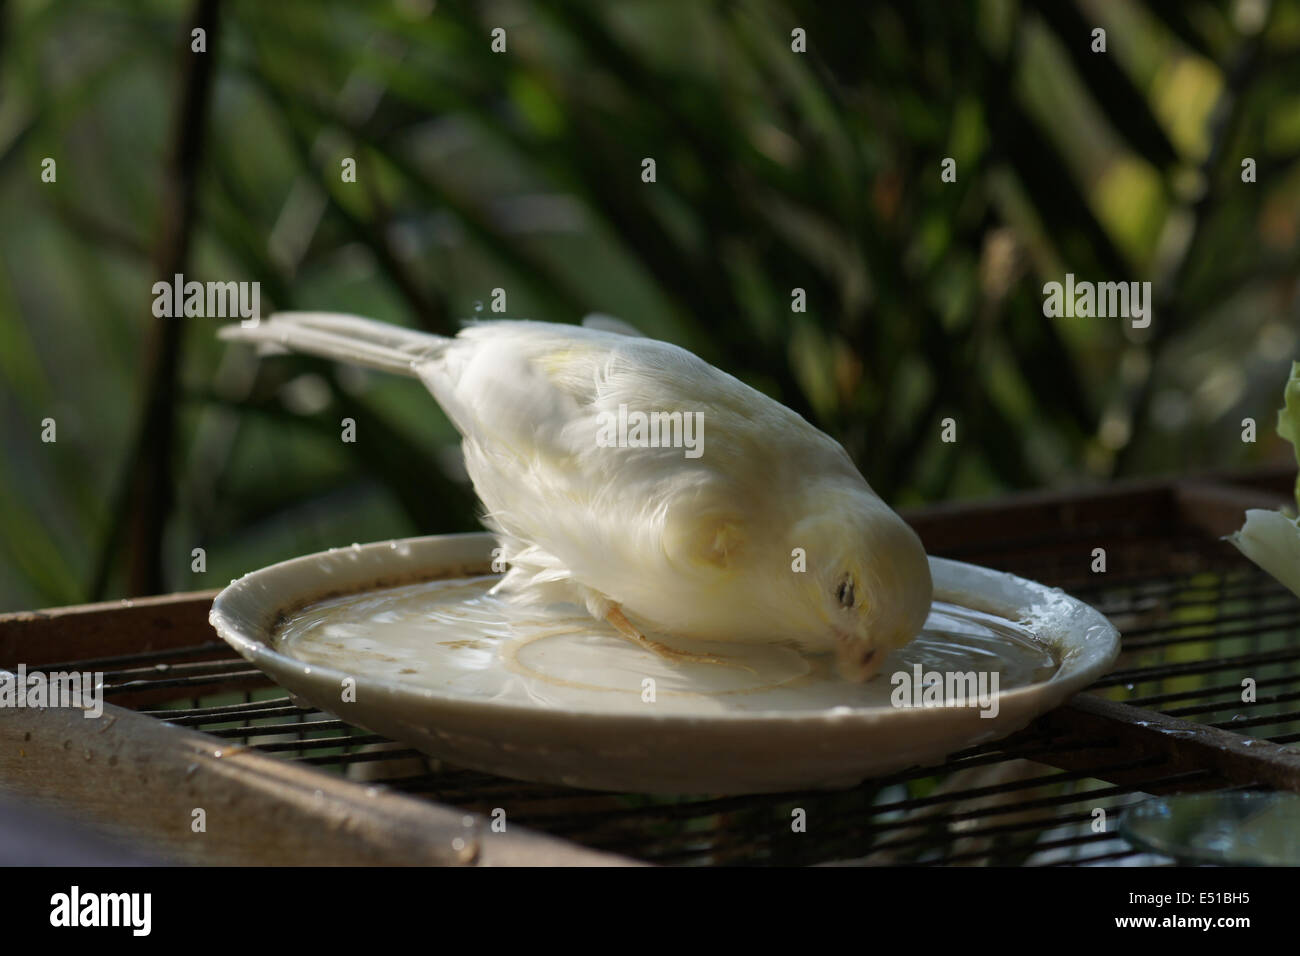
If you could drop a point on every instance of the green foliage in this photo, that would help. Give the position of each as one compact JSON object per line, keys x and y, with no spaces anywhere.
{"x":521,"y":170}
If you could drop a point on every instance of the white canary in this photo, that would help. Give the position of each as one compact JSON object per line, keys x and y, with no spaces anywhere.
{"x":745,"y":523}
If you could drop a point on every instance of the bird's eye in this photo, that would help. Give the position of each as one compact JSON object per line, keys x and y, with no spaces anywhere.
{"x":844,"y":593}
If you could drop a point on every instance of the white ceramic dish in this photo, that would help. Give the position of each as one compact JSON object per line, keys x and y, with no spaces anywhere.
{"x":556,"y":697}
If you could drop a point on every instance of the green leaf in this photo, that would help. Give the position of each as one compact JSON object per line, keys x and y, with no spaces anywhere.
{"x":1288,"y":418}
{"x":1115,"y":92}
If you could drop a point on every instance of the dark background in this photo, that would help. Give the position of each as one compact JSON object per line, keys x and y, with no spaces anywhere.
{"x":522,"y":170}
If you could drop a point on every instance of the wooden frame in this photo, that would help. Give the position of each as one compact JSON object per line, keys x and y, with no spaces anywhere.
{"x":139,"y":780}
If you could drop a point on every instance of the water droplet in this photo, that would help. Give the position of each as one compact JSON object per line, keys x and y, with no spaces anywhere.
{"x":478,"y":305}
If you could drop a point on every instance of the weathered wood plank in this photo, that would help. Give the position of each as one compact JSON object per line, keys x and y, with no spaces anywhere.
{"x":88,"y":631}
{"x":138,"y":781}
{"x":1180,"y":745}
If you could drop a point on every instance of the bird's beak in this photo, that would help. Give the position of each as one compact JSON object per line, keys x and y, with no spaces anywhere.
{"x":856,"y":661}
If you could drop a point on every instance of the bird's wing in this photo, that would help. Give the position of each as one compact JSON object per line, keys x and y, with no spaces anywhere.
{"x":535,"y":385}
{"x":529,"y":399}
{"x":607,"y":323}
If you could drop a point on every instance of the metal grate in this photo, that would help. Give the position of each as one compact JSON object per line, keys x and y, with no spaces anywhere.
{"x":1197,"y":619}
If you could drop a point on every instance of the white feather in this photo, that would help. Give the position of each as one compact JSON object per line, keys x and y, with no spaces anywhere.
{"x":693,"y":546}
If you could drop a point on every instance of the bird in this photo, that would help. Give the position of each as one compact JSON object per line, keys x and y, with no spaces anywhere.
{"x":745,"y":524}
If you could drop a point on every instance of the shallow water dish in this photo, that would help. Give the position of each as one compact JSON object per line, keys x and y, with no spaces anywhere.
{"x":553,"y":696}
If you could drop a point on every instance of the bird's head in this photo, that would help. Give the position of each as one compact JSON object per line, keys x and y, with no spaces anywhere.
{"x":868,"y":579}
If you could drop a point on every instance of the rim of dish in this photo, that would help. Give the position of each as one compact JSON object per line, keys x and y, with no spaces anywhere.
{"x":1096,"y":632}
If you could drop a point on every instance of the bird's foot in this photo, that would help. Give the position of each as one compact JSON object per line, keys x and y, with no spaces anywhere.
{"x":626,"y":628}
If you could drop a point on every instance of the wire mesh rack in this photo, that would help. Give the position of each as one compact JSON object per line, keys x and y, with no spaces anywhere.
{"x":1206,"y":695}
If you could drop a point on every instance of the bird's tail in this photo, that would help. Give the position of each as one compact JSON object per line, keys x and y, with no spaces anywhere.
{"x":346,"y":338}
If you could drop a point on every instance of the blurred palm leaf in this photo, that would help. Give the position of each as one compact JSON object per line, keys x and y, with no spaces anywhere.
{"x":775,"y":171}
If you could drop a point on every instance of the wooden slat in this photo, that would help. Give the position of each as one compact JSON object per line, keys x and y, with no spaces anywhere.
{"x":952,"y":527}
{"x":86,"y":631}
{"x":958,"y":528}
{"x":1219,"y":509}
{"x":138,"y":780}
{"x":1182,"y":746}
